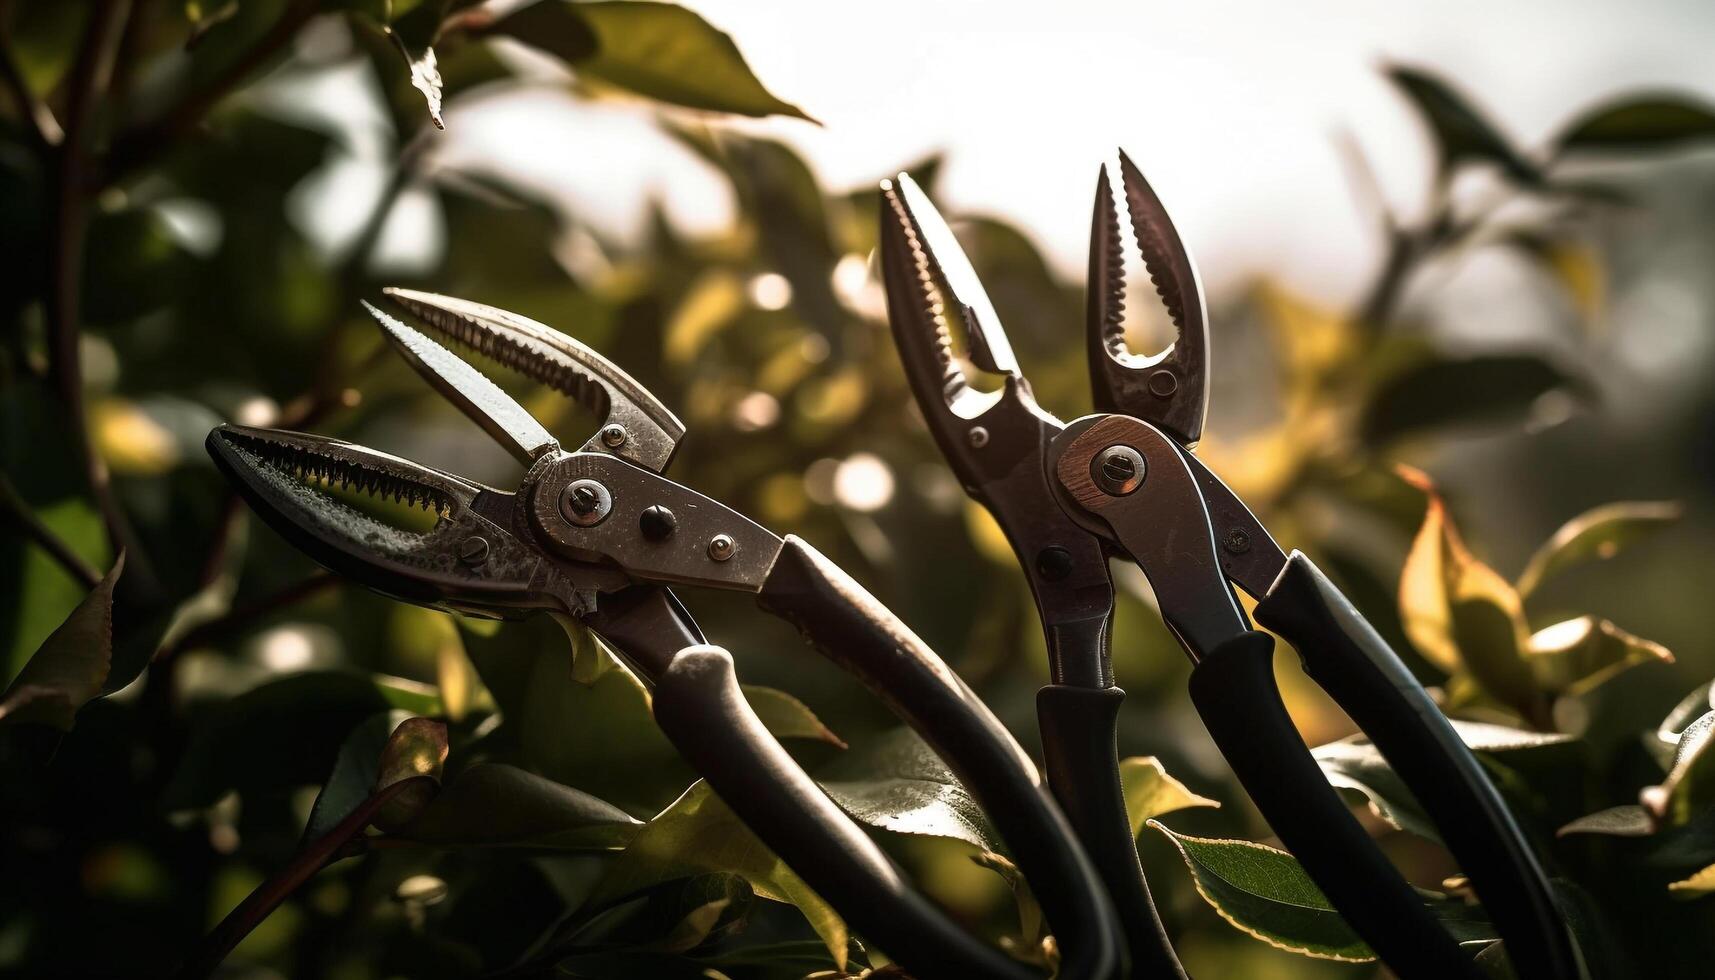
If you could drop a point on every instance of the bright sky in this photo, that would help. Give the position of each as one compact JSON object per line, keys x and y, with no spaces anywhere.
{"x":1231,"y":108}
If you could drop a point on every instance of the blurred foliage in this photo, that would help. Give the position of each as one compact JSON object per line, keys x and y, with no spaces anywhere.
{"x":210,"y":747}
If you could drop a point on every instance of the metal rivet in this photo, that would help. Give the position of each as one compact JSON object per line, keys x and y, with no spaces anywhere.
{"x":613,"y":435}
{"x":657,"y":523}
{"x":722,"y":547}
{"x":1237,"y":542}
{"x":979,"y":437}
{"x":1118,"y":470}
{"x":1163,"y":383}
{"x":1054,"y":563}
{"x":473,"y":550}
{"x":585,"y":503}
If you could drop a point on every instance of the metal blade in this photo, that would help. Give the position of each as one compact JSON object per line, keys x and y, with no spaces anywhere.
{"x":945,"y":261}
{"x":651,"y":432}
{"x":1170,"y":387}
{"x":474,"y":394}
{"x":308,"y":488}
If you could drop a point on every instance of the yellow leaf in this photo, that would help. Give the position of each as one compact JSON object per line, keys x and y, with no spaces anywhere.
{"x":699,"y":834}
{"x":129,"y":440}
{"x":1151,"y":792}
{"x":986,"y":535}
{"x":1423,"y":606}
{"x":1312,"y":340}
{"x":1462,"y":615}
{"x":708,"y":306}
{"x":833,"y":400}
{"x":418,"y":747}
{"x":1579,"y":268}
{"x":1698,"y":885}
{"x":1576,"y":655}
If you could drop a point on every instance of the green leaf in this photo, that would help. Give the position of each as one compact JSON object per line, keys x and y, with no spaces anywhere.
{"x":896,"y":782}
{"x":700,"y":921}
{"x":660,"y":50}
{"x":1672,"y":728}
{"x":1461,"y":133}
{"x":1690,"y":784}
{"x":1462,"y":391}
{"x":1354,"y":764}
{"x":70,"y":667}
{"x":787,"y":717}
{"x":1596,"y":535}
{"x":1150,"y":792}
{"x":1265,"y":893}
{"x":417,"y":747}
{"x":492,"y":804}
{"x":1652,"y":122}
{"x":554,"y":26}
{"x":354,"y":773}
{"x":698,"y":834}
{"x":1577,"y":655}
{"x":1616,"y":821}
{"x":559,"y":713}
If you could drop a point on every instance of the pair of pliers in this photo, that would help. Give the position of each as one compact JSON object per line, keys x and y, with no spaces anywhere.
{"x":599,"y":534}
{"x":1124,"y":482}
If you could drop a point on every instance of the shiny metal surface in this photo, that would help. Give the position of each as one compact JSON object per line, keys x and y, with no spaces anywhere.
{"x":1163,"y":525}
{"x":636,"y":426}
{"x":1168,"y":388}
{"x":465,"y":386}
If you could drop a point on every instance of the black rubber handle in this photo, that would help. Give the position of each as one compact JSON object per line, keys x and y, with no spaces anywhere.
{"x":1080,"y":751}
{"x":699,"y":705}
{"x":1234,"y":689}
{"x":1343,"y":653}
{"x":854,"y":630}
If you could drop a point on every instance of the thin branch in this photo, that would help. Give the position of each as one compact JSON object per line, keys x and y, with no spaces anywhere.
{"x":247,"y":614}
{"x":329,"y":393}
{"x":1366,"y":186}
{"x":43,"y":124}
{"x":44,"y":537}
{"x":143,"y":145}
{"x":270,"y":894}
{"x":65,"y":259}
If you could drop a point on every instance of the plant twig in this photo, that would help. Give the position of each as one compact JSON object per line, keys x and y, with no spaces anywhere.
{"x":43,"y":125}
{"x":268,"y":896}
{"x":44,"y":537}
{"x":65,"y":259}
{"x":247,"y":614}
{"x":143,"y":145}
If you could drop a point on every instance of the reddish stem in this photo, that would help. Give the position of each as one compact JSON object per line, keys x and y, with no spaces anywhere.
{"x":270,"y":894}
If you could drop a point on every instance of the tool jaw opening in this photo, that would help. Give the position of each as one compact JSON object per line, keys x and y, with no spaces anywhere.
{"x":309,"y":488}
{"x":1170,"y":387}
{"x":635,"y":425}
{"x":928,"y":279}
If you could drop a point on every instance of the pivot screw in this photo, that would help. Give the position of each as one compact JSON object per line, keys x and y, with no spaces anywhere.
{"x":722,"y":547}
{"x":1237,"y":542}
{"x":1163,"y":383}
{"x":585,"y":503}
{"x":473,"y":550}
{"x":657,"y":523}
{"x":613,"y":435}
{"x":1054,"y":563}
{"x":979,"y":437}
{"x":1118,"y":470}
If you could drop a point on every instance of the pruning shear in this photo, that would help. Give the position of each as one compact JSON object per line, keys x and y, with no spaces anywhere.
{"x":1124,"y":482}
{"x":599,"y":534}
